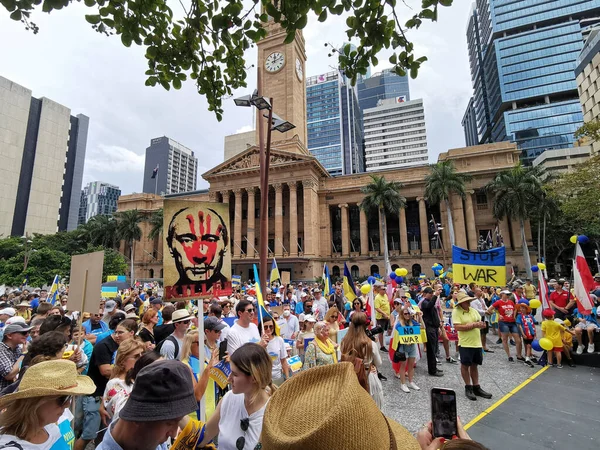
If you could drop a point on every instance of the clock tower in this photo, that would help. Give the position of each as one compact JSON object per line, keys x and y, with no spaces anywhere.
{"x":282,"y":77}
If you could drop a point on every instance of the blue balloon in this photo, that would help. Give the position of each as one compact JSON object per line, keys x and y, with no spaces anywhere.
{"x":399,"y":279}
{"x":371,"y":279}
{"x":393,"y":275}
{"x":582,"y":239}
{"x":534,"y":268}
{"x":535,"y":345}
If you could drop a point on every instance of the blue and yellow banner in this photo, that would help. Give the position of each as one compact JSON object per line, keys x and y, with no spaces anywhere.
{"x":274,"y":271}
{"x":220,"y":373}
{"x":348,"y":284}
{"x":263,"y":313}
{"x":326,"y":281}
{"x":406,"y":335}
{"x":487,"y":268}
{"x":53,"y":290}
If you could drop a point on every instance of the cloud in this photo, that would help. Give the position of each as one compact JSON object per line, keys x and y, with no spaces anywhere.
{"x":244,"y":129}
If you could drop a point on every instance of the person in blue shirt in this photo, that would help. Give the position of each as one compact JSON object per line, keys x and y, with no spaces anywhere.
{"x":157,"y":303}
{"x":589,"y":323}
{"x":86,"y":347}
{"x":95,"y":328}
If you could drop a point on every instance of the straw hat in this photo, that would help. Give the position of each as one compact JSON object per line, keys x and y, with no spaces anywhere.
{"x":525,"y":305}
{"x":48,"y":378}
{"x":336,"y":386}
{"x":461,"y":297}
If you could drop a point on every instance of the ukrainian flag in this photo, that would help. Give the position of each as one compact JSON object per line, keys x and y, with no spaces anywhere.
{"x":53,"y":290}
{"x":348,"y":284}
{"x":326,"y":281}
{"x":262,"y":311}
{"x":25,"y":281}
{"x":487,"y":268}
{"x":274,"y":272}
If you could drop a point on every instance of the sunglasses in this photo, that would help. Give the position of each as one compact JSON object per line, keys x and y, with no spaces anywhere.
{"x":276,"y":317}
{"x":241,"y":441}
{"x":64,"y":400}
{"x":250,"y":311}
{"x":206,"y":303}
{"x":406,"y":314}
{"x":196,"y":342}
{"x":186,"y":322}
{"x":269,"y":327}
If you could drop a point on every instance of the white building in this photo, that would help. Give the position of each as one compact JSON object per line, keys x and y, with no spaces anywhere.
{"x":395,"y":134}
{"x":170,"y":167}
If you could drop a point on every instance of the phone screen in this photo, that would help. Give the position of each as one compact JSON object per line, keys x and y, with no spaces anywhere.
{"x":222,"y":349}
{"x":443,"y":413}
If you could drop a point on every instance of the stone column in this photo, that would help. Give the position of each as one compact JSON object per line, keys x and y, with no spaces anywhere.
{"x":309,"y":239}
{"x":505,"y":233}
{"x":293,"y":219}
{"x":325,"y":231}
{"x":250,"y":233}
{"x":423,"y":225}
{"x":278,"y":219}
{"x":515,"y":228}
{"x":345,"y":230}
{"x":403,"y":232}
{"x":213,"y":196}
{"x":237,"y":224}
{"x":458,"y":216}
{"x":471,"y":229}
{"x":364,"y":233}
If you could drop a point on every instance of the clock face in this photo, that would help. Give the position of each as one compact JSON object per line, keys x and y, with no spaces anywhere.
{"x":299,"y":71}
{"x":275,"y":62}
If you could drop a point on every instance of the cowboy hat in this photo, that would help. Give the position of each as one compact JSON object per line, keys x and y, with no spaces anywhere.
{"x":181,"y":315}
{"x":336,"y":386}
{"x":461,"y":297}
{"x":522,"y":304}
{"x":49,"y":378}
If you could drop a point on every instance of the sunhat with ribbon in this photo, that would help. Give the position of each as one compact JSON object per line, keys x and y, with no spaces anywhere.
{"x":57,"y":377}
{"x":461,"y":297}
{"x":337,"y":386}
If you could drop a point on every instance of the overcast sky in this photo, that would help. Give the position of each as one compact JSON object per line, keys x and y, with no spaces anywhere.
{"x":95,"y":75}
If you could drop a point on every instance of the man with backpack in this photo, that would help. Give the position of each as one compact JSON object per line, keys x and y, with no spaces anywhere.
{"x":172,"y":346}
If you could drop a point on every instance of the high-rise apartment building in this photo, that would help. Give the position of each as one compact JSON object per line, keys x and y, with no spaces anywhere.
{"x":395,"y":134}
{"x":98,"y":198}
{"x":42,"y":148}
{"x":334,"y":123}
{"x":522,"y":56}
{"x":588,"y":80}
{"x":381,"y":86}
{"x":170,"y":167}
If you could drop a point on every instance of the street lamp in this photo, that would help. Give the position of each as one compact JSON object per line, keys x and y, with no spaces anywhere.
{"x":278,"y":124}
{"x":438,"y":228}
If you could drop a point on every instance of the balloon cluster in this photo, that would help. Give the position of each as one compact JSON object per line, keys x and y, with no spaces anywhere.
{"x":582,"y":239}
{"x":397,"y":276}
{"x":371,"y":280}
{"x":538,"y":267}
{"x":437,"y":269}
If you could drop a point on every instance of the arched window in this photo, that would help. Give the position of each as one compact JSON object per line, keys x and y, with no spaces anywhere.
{"x":416,"y":270}
{"x":374,"y":269}
{"x":354,"y":272}
{"x":335,"y":272}
{"x":151,"y":273}
{"x":395,"y":266}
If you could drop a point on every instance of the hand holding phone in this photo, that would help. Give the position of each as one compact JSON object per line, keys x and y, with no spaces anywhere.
{"x":222,"y":349}
{"x":443,"y":413}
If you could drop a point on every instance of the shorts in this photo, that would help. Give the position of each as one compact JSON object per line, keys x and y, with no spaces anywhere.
{"x":557,"y":349}
{"x":91,"y":417}
{"x":586,"y":326}
{"x":470,"y":356}
{"x":508,"y":327}
{"x":409,"y":349}
{"x":486,"y":329}
{"x":383,"y":323}
{"x":527,"y":341}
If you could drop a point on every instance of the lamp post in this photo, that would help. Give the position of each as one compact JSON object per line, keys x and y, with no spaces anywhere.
{"x":278,"y":124}
{"x":438,"y":228}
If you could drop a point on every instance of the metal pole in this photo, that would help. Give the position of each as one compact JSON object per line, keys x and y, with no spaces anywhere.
{"x":156,"y":182}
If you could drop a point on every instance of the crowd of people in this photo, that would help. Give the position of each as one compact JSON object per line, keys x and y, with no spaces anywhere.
{"x":133,"y":376}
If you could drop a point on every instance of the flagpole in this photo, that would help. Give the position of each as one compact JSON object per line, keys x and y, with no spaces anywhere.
{"x":156,"y":181}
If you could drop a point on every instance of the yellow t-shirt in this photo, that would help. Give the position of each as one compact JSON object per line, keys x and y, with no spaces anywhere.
{"x":382,"y":302}
{"x":471,"y":338}
{"x":567,"y":339}
{"x":529,"y":291}
{"x":553,"y":332}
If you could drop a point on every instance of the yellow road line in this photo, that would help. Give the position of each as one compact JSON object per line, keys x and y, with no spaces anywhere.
{"x":506,"y":397}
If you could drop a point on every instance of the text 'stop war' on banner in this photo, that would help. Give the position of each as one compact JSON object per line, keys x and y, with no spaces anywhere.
{"x":196,"y":250}
{"x":487,"y":268}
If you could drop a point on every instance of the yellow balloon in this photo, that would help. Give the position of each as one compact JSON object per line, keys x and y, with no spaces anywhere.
{"x":398,"y":272}
{"x":403,"y":271}
{"x":541,"y":266}
{"x":535,"y":303}
{"x":365,"y":289}
{"x":546,"y":344}
{"x":573,"y":239}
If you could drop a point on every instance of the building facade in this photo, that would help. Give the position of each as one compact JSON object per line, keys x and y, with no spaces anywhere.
{"x":588,"y":83}
{"x":334,"y":123}
{"x":237,"y":143}
{"x":177,"y":167}
{"x":562,"y":160}
{"x":522,"y":57}
{"x":381,"y":86}
{"x":42,"y":147}
{"x":98,"y":198}
{"x":395,"y":134}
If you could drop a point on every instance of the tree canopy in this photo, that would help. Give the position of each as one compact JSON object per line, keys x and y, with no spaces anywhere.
{"x":208,"y":40}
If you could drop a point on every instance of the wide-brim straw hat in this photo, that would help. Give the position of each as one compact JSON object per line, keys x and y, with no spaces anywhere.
{"x":461,"y":297}
{"x":346,"y":403}
{"x":49,"y":378}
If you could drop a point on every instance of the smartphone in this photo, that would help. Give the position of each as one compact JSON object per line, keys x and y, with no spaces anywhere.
{"x":443,"y":413}
{"x":222,"y":349}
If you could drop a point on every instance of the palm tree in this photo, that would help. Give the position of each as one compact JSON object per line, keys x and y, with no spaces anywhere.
{"x":101,"y":230}
{"x":156,"y":224}
{"x":516,"y":193}
{"x":129,"y":230}
{"x":441,"y":183}
{"x":384,"y":197}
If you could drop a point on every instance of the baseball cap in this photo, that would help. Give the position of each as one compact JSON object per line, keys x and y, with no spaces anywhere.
{"x":110,"y":306}
{"x":506,"y":291}
{"x":156,"y":301}
{"x":16,"y":319}
{"x":213,"y":324}
{"x":8,"y":311}
{"x":301,"y":317}
{"x":548,"y":313}
{"x":310,"y":318}
{"x":16,"y":328}
{"x":278,"y":295}
{"x":181,"y":315}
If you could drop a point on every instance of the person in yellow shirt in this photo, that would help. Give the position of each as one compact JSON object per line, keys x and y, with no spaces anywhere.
{"x":529,"y":290}
{"x":382,"y":313}
{"x":553,"y":331}
{"x":24,"y":311}
{"x":567,"y":339}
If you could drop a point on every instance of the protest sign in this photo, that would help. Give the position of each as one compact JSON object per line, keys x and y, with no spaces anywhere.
{"x":285,"y":277}
{"x":85,"y":282}
{"x":236,"y":280}
{"x":487,"y":268}
{"x":407,"y":335}
{"x":307,"y":341}
{"x":295,"y":363}
{"x":220,"y":372}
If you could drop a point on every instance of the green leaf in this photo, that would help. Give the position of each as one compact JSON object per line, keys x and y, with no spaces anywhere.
{"x":93,"y":19}
{"x":301,"y":23}
{"x":126,"y":40}
{"x":16,"y":15}
{"x":177,"y":83}
{"x":323,"y":16}
{"x":290,"y":38}
{"x":151,"y":52}
{"x":89,"y":3}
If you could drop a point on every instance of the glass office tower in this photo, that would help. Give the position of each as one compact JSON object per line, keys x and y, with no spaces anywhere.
{"x":381,"y":86}
{"x":522,"y":56}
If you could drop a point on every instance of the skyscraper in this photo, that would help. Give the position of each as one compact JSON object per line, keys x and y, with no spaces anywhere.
{"x":381,"y":86}
{"x":334,"y":123}
{"x":395,"y":134}
{"x":42,"y":148}
{"x":170,"y":167}
{"x":522,"y":57}
{"x":98,"y":198}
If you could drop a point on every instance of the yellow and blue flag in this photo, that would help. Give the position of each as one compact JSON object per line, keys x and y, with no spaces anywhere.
{"x":25,"y":281}
{"x":274,"y":271}
{"x":53,"y":290}
{"x":262,"y":311}
{"x":348,"y":284}
{"x":487,"y":268}
{"x":326,"y":281}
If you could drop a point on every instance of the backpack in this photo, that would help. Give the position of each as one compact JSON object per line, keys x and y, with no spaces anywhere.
{"x":359,"y":368}
{"x":169,"y":338}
